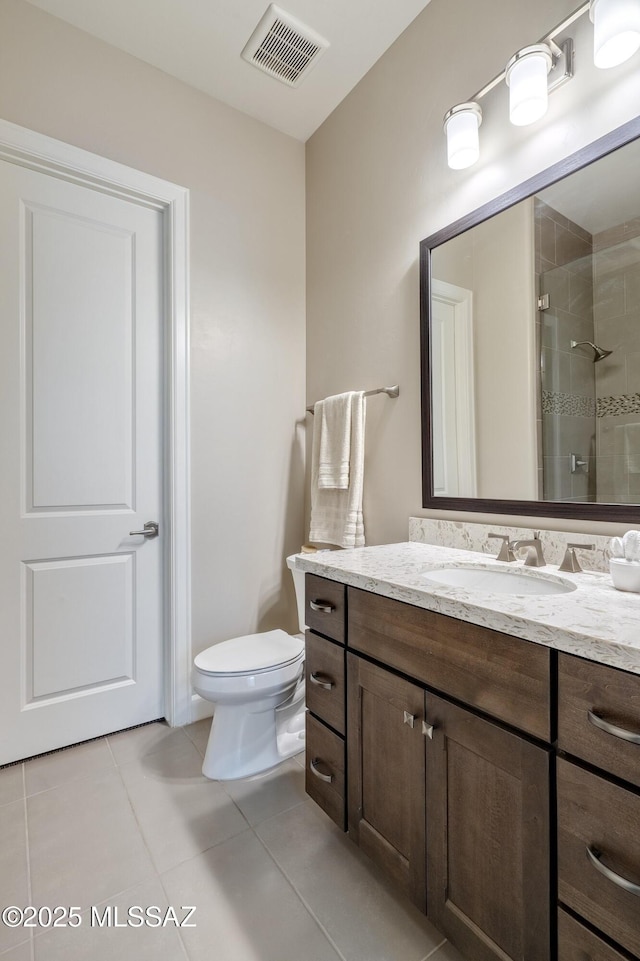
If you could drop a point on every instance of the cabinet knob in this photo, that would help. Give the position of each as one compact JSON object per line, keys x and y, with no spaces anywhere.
{"x":321,"y":607}
{"x":427,"y":730}
{"x":409,"y":719}
{"x":321,"y":680}
{"x":313,"y":765}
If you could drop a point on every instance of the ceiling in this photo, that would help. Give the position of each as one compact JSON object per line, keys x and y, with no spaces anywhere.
{"x":200,"y":41}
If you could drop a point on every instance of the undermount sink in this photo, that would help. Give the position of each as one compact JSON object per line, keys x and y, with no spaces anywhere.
{"x":499,"y":581}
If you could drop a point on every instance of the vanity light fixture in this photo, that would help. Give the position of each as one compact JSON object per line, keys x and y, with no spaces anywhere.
{"x":535,"y":71}
{"x":526,"y":77}
{"x":461,"y":125}
{"x":616,"y":30}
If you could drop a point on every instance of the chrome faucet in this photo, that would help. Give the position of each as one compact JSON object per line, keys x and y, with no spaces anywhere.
{"x":535,"y":557}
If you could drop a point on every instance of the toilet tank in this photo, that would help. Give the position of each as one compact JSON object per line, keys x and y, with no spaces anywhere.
{"x":298,"y":583}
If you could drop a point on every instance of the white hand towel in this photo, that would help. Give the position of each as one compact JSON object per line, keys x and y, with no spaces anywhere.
{"x":333,"y":418}
{"x":336,"y":514}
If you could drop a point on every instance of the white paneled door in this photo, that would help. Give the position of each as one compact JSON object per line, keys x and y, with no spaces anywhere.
{"x":81,"y":306}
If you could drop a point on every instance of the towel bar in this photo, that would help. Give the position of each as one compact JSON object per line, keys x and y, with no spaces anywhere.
{"x":391,"y":391}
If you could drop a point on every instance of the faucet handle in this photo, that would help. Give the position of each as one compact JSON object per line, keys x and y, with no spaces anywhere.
{"x":505,"y":553}
{"x":570,"y":562}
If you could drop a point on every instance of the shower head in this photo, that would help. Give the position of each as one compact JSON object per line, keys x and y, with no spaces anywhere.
{"x":599,"y":353}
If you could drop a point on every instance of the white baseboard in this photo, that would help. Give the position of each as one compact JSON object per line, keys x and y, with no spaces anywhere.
{"x":200,"y":708}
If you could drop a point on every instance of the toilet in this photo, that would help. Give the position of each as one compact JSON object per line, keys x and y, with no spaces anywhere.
{"x":257,"y":685}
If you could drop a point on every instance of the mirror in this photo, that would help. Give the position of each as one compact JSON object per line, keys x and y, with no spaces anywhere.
{"x":530,"y":318}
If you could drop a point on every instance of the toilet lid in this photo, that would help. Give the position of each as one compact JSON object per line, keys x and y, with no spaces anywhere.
{"x":251,"y":654}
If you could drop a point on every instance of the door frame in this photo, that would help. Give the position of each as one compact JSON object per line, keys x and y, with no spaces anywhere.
{"x":24,"y":147}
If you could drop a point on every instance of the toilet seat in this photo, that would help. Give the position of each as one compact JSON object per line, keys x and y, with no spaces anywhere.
{"x":250,"y":654}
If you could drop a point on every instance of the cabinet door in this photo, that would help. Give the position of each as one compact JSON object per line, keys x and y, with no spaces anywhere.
{"x":386,"y":773}
{"x":488,"y":861}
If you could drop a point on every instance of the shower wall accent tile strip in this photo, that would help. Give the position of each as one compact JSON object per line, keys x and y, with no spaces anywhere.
{"x":559,"y":402}
{"x":618,"y":405}
{"x":575,"y":405}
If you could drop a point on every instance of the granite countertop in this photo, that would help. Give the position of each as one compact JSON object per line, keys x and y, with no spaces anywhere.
{"x":595,"y":621}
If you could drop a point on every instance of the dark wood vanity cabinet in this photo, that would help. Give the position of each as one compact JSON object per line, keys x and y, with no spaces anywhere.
{"x":451,"y":781}
{"x":325,"y":761}
{"x":386,"y":782}
{"x":488,"y":865}
{"x":598,"y":798}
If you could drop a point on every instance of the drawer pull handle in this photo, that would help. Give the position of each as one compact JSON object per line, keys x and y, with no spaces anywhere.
{"x":594,"y":856}
{"x":314,"y":770}
{"x":321,"y":680}
{"x":321,"y":607}
{"x":610,"y":728}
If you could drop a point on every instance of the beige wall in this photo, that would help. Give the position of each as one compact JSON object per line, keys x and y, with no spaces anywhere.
{"x":247,"y":294}
{"x":378,"y":182}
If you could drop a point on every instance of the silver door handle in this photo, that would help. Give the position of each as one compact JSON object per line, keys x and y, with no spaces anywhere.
{"x":321,"y":606}
{"x":150,"y":529}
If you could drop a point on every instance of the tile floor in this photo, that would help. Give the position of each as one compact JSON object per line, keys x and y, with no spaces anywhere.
{"x":130,"y":820}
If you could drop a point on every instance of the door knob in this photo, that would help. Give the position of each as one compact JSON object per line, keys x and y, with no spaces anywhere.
{"x":150,"y":529}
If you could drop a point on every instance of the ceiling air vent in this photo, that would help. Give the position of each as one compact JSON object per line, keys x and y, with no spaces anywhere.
{"x":283,"y":47}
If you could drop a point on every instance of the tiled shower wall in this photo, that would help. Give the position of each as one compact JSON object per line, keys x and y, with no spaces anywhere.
{"x":564,"y":271}
{"x":617,"y":328}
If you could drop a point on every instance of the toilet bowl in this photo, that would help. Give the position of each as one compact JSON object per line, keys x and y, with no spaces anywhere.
{"x":257,"y":685}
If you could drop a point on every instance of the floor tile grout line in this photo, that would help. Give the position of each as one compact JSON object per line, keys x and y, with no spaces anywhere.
{"x":201,"y":753}
{"x":110,"y":750}
{"x":288,"y":810}
{"x":144,"y":840}
{"x":27,"y":854}
{"x":85,"y":911}
{"x":187,"y":956}
{"x":198,"y":854}
{"x":14,"y":947}
{"x":302,"y":900}
{"x":31,"y":938}
{"x":159,"y":750}
{"x":431,"y":953}
{"x":83,"y":777}
{"x":138,"y":826}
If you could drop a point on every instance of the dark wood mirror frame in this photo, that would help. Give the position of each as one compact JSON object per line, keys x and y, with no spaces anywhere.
{"x":570,"y":509}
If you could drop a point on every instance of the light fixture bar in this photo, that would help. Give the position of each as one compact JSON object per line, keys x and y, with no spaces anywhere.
{"x":548,"y":38}
{"x":536,"y":70}
{"x":562,"y":66}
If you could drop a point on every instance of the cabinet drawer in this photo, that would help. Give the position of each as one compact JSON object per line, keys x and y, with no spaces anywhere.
{"x":577,"y":943}
{"x":324,"y":671}
{"x":504,"y":676}
{"x":597,"y":816}
{"x":324,"y":780}
{"x":599,"y":716}
{"x":325,"y":607}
